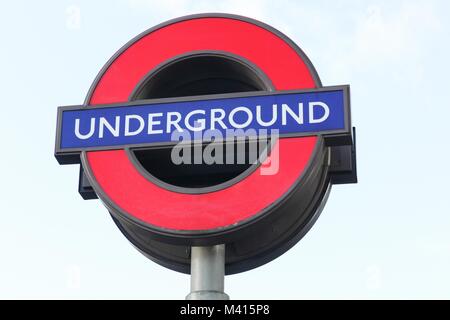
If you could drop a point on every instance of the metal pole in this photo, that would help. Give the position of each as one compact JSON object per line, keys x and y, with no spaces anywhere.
{"x":207,"y":273}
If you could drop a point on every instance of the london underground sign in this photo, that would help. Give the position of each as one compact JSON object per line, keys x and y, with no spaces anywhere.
{"x":210,"y":75}
{"x":322,"y":111}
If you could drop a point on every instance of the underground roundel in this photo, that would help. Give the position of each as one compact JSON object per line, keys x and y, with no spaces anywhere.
{"x":210,"y":129}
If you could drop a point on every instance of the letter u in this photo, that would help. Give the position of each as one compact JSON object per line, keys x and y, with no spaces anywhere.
{"x":84,"y":136}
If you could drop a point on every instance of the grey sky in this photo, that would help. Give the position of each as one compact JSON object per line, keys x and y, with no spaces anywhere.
{"x":386,"y":237}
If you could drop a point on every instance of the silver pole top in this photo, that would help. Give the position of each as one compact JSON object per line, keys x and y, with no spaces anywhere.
{"x":208,"y":273}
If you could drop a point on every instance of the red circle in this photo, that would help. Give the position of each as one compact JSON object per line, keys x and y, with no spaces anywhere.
{"x":133,"y":194}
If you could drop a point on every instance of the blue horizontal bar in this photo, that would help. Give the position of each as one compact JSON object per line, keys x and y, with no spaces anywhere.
{"x":158,"y":122}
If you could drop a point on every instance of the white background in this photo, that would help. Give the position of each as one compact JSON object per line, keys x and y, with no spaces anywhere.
{"x":386,"y":237}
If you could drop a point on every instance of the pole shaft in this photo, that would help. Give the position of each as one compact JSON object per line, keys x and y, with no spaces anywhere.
{"x":207,"y":273}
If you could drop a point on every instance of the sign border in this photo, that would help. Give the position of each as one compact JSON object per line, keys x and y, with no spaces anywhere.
{"x":72,"y":155}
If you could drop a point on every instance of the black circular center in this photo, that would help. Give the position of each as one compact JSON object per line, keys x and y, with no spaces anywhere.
{"x":191,"y":76}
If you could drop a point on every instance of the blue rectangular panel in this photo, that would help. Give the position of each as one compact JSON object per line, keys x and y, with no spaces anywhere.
{"x":323,"y":111}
